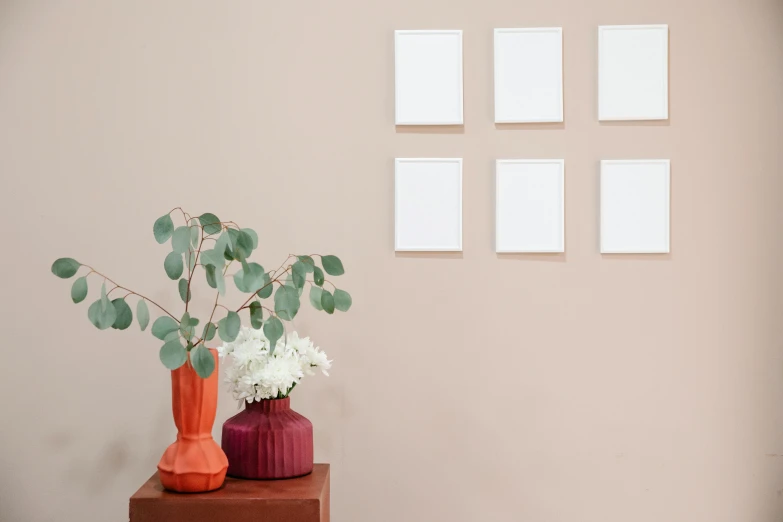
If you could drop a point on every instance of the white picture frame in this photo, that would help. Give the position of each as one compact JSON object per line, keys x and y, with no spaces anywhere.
{"x":530,"y":206}
{"x":528,"y":75}
{"x":635,"y":206}
{"x":428,"y":77}
{"x":428,"y":204}
{"x":633,"y":72}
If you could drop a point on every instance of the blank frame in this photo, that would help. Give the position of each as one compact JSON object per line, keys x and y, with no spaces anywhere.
{"x":529,"y":75}
{"x":635,"y":204}
{"x":529,"y":207}
{"x":428,"y":204}
{"x":633,"y":72}
{"x":428,"y":77}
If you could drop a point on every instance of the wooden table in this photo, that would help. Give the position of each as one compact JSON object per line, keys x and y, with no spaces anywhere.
{"x":303,"y":499}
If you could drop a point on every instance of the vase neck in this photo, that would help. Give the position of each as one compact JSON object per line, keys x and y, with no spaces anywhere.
{"x":269,"y":405}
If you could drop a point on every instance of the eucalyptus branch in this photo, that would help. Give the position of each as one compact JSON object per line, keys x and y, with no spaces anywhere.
{"x":193,"y":271}
{"x":93,"y":271}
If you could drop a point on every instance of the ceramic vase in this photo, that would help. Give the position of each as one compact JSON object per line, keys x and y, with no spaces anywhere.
{"x":268,"y":440}
{"x":194,"y":463}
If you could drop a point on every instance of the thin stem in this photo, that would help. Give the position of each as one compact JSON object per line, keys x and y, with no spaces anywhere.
{"x":130,"y":292}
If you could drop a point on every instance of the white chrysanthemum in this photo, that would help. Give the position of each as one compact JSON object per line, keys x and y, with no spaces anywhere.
{"x":253,"y":375}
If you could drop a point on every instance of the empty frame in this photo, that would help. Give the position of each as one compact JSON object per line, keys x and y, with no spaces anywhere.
{"x":529,"y":206}
{"x":529,"y":75}
{"x":428,"y":204}
{"x":428,"y":77}
{"x":633,"y":72}
{"x":634,"y":206}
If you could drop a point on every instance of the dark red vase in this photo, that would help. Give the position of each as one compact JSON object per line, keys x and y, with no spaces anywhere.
{"x":268,"y":440}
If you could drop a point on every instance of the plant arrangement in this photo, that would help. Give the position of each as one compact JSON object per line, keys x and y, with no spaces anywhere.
{"x":256,"y":371}
{"x":213,"y":247}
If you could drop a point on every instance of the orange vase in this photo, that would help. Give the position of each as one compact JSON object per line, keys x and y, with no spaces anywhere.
{"x":194,"y":463}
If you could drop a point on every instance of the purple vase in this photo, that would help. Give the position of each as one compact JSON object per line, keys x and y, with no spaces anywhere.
{"x":268,"y":440}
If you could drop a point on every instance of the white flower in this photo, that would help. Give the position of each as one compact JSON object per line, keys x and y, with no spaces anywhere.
{"x":253,"y":375}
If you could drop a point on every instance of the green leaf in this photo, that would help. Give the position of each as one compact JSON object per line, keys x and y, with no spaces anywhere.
{"x":163,"y":228}
{"x":252,"y":233}
{"x":171,"y":335}
{"x":191,"y":255}
{"x":186,"y":328}
{"x":124,"y":315}
{"x":308,"y":263}
{"x":195,"y":232}
{"x":210,"y":270}
{"x":286,"y":302}
{"x":250,"y":279}
{"x":211,"y":223}
{"x":65,"y":267}
{"x":180,"y":240}
{"x":105,"y":303}
{"x":327,"y":301}
{"x":256,"y":315}
{"x":315,"y":297}
{"x":209,"y":331}
{"x":318,"y":276}
{"x":102,"y":317}
{"x":202,"y":360}
{"x":142,"y":314}
{"x":243,"y":246}
{"x":173,"y":355}
{"x":163,"y":326}
{"x":332,"y":265}
{"x":233,"y":236}
{"x":299,"y":274}
{"x":173,"y":265}
{"x":266,"y":288}
{"x":273,"y":330}
{"x":79,"y":290}
{"x":184,"y":292}
{"x":213,"y":257}
{"x":342,"y":300}
{"x":220,"y":281}
{"x":232,"y":325}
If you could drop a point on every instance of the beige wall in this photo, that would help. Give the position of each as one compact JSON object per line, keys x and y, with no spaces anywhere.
{"x":466,"y":387}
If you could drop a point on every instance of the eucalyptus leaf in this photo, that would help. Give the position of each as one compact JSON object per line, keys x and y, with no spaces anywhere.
{"x":332,"y":265}
{"x":209,"y":331}
{"x":191,"y":260}
{"x":342,"y":300}
{"x":124,"y":315}
{"x":180,"y":240}
{"x":210,"y":222}
{"x":298,"y":274}
{"x":171,"y":335}
{"x":327,"y":301}
{"x":286,"y":302}
{"x":65,"y":267}
{"x":250,"y":279}
{"x":163,"y":228}
{"x":173,"y":355}
{"x":79,"y":290}
{"x":142,"y":314}
{"x":202,"y":360}
{"x":163,"y":326}
{"x":308,"y":263}
{"x":243,"y":246}
{"x":195,"y":234}
{"x":315,"y":297}
{"x":220,"y":281}
{"x":184,"y":291}
{"x":256,"y":315}
{"x":273,"y":330}
{"x":213,"y":257}
{"x":232,"y":325}
{"x":186,"y":327}
{"x":318,"y":276}
{"x":102,"y":317}
{"x":105,"y":303}
{"x":173,"y":265}
{"x":252,"y":233}
{"x":210,"y":270}
{"x":266,"y":288}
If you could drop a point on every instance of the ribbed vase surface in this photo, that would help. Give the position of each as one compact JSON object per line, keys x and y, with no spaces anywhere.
{"x":268,"y":440}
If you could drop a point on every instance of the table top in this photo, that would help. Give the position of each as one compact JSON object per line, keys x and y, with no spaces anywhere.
{"x":301,"y":499}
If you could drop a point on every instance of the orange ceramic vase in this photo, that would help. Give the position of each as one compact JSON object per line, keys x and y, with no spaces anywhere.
{"x":194,"y":463}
